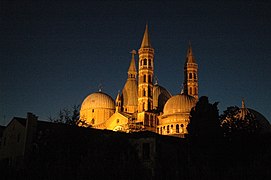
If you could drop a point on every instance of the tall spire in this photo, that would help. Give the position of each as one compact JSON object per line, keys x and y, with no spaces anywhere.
{"x":146,"y":43}
{"x":132,"y":67}
{"x":190,"y":85}
{"x":189,"y":56}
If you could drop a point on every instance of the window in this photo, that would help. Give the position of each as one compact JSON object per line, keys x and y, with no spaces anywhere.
{"x":195,"y":76}
{"x":182,"y":130}
{"x":177,"y":128}
{"x":93,"y":121}
{"x":93,"y":110}
{"x":144,"y":92}
{"x":190,"y":75}
{"x":144,"y":78}
{"x":145,"y":61}
{"x":167,"y":128}
{"x":146,"y":151}
{"x":150,"y":62}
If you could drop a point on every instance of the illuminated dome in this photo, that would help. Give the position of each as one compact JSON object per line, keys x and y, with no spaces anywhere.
{"x":180,"y":103}
{"x":160,"y":97}
{"x":97,"y":108}
{"x":98,"y":100}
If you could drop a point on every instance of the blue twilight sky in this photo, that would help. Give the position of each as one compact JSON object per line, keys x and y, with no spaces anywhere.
{"x":54,"y":53}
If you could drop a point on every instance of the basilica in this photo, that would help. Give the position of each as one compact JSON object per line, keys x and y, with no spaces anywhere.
{"x":143,"y":104}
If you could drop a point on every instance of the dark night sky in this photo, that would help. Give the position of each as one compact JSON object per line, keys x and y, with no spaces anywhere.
{"x":54,"y":53}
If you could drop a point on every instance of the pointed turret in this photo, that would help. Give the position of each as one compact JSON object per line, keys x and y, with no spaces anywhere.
{"x":146,"y":43}
{"x":145,"y":74}
{"x":189,"y":55}
{"x":129,"y":92}
{"x":190,"y":85}
{"x":132,"y":68}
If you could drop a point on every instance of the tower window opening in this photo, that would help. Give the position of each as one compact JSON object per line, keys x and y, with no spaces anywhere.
{"x":145,"y":61}
{"x":144,"y":78}
{"x":190,"y":75}
{"x":144,"y":92}
{"x":150,"y":62}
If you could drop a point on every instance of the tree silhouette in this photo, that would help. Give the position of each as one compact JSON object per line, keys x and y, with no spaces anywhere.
{"x":67,"y":116}
{"x":233,"y":124}
{"x":204,"y":120}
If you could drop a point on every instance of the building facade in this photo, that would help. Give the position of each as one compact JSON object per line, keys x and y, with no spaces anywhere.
{"x":143,"y":104}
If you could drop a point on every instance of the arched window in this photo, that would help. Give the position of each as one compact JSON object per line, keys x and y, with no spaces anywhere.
{"x":92,"y":121}
{"x":167,"y":128}
{"x":145,"y":61}
{"x":144,"y":92}
{"x":182,"y":129}
{"x":177,"y":128}
{"x":144,"y":78}
{"x":149,"y":62}
{"x":190,"y":75}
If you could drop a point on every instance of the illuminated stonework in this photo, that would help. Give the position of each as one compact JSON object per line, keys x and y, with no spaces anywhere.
{"x":143,"y":104}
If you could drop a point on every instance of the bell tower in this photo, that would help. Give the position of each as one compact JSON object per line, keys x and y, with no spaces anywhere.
{"x":145,"y":74}
{"x":190,"y":86}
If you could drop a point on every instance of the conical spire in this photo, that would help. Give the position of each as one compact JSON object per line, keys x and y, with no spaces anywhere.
{"x":132,"y":67}
{"x":189,"y":56}
{"x":146,"y":43}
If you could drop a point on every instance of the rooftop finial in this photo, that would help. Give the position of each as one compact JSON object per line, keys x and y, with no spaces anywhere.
{"x":156,"y":80}
{"x":100,"y":87}
{"x":243,"y":103}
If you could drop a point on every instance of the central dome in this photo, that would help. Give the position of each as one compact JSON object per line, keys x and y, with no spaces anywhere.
{"x":180,"y":103}
{"x":98,"y":100}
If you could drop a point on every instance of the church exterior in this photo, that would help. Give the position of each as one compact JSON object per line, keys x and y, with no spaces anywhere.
{"x":143,"y":104}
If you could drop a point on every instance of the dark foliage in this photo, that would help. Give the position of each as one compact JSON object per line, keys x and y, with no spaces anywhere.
{"x":234,"y":126}
{"x":204,"y":120}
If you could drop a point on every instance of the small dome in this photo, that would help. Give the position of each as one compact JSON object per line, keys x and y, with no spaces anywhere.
{"x":180,"y":103}
{"x":98,"y":100}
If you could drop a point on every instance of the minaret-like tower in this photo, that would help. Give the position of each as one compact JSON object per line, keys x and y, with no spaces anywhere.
{"x":190,"y":86}
{"x":129,"y":92}
{"x":145,"y":74}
